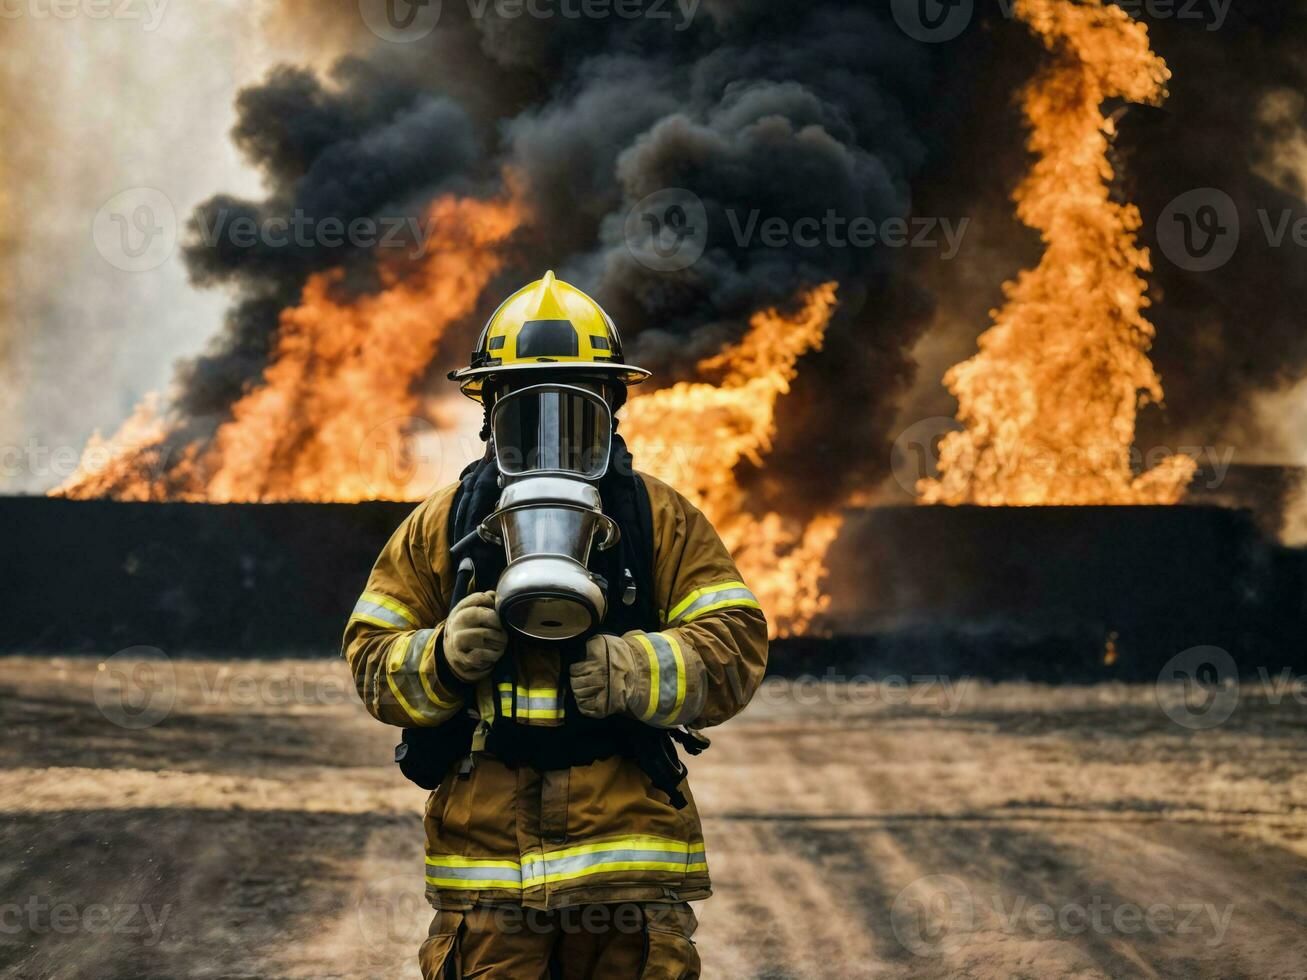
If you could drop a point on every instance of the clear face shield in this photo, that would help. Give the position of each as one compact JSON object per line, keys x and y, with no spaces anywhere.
{"x":552,"y":441}
{"x":552,"y":429}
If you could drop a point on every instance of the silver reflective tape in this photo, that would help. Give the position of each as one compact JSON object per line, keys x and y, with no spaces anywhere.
{"x":669,"y":675}
{"x":419,"y":643}
{"x":593,"y":862}
{"x":478,"y":873}
{"x":539,"y":704}
{"x":712,"y":598}
{"x":552,"y":702}
{"x":372,"y":610}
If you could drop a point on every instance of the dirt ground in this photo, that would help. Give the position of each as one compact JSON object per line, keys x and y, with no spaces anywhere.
{"x":187,"y":819}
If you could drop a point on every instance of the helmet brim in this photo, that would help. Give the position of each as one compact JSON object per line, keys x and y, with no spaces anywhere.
{"x":471,"y":380}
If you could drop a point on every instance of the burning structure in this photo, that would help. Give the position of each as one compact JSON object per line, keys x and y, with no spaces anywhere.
{"x":783,"y":365}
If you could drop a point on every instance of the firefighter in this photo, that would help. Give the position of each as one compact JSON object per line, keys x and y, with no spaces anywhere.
{"x":547,"y":632}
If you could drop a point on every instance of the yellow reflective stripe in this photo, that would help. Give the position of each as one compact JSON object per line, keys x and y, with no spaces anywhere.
{"x":680,"y":676}
{"x":638,"y":853}
{"x":711,"y":598}
{"x":529,"y":701}
{"x":478,"y":885}
{"x":453,"y":871}
{"x":653,"y":676}
{"x":457,"y":861}
{"x":680,"y":607}
{"x":529,"y":692}
{"x":395,"y":606}
{"x":364,"y":617}
{"x":618,"y":844}
{"x":403,"y":662}
{"x":608,"y":868}
{"x":506,"y":708}
{"x":666,"y":676}
{"x":398,"y":652}
{"x":625,"y":854}
{"x":426,"y":675}
{"x":748,"y":603}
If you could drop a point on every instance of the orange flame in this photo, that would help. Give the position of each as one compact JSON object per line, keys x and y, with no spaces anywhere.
{"x":329,"y":420}
{"x":693,"y":434}
{"x":342,"y":378}
{"x":1050,"y":401}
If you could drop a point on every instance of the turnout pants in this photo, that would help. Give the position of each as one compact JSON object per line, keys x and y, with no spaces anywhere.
{"x":626,"y":941}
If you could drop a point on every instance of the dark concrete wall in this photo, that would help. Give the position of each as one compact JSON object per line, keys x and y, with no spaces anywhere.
{"x":230,"y":579}
{"x":1038,"y":591}
{"x":988,"y":591}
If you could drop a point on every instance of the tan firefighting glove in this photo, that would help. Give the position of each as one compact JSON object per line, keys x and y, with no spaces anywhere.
{"x":475,"y":639}
{"x":617,"y":675}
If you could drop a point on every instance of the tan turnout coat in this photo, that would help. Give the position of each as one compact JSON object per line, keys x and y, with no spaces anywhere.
{"x":596,"y":833}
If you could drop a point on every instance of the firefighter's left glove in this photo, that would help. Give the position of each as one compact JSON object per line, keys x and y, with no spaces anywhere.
{"x":644,"y":675}
{"x":475,"y":639}
{"x":605,"y":680}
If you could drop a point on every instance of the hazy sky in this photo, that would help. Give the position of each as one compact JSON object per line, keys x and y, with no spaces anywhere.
{"x":93,"y":111}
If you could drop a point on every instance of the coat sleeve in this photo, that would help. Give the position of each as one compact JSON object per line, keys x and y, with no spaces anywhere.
{"x":392,"y":639}
{"x":708,"y":660}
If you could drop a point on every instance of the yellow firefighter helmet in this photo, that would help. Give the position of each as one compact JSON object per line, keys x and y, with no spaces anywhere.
{"x":547,"y":324}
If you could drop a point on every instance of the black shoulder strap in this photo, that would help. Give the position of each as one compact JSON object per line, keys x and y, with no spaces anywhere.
{"x":474,"y":500}
{"x":632,"y":604}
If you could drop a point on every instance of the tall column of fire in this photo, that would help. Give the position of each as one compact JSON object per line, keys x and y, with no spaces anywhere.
{"x":1049,"y":402}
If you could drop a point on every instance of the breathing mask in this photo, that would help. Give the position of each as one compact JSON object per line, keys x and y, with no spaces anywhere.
{"x":553,"y":443}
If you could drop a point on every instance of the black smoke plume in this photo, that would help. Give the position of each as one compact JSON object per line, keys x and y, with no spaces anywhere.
{"x":780,"y":109}
{"x":783,"y":110}
{"x":1226,"y":334}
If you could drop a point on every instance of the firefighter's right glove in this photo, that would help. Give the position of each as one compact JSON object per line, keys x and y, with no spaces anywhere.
{"x":475,"y":639}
